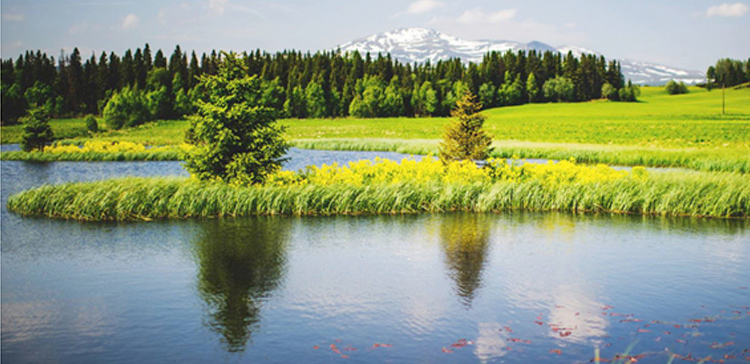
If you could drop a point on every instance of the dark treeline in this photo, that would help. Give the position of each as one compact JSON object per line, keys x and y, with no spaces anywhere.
{"x":324,"y":84}
{"x":728,"y":72}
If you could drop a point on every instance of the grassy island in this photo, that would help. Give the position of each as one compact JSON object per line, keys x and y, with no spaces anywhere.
{"x":387,"y":187}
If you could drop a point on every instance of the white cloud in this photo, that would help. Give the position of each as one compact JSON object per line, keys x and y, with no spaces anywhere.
{"x":570,"y":25}
{"x":130,"y":21}
{"x":13,"y":17}
{"x":506,"y":25}
{"x":218,"y":6}
{"x":83,"y":28}
{"x":423,"y":6}
{"x":477,"y":15}
{"x":738,"y":9}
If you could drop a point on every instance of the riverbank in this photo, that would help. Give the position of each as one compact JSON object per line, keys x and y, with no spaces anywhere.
{"x":359,"y":189}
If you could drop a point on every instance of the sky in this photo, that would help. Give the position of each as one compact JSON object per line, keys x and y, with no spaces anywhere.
{"x":690,"y":34}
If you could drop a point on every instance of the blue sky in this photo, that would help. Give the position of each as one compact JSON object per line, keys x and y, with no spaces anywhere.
{"x":690,"y":34}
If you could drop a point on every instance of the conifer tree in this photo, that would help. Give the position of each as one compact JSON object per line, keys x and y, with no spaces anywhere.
{"x":237,"y":139}
{"x":36,"y":130}
{"x":465,"y":137}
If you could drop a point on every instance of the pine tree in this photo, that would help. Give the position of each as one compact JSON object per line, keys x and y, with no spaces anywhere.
{"x":237,"y":140}
{"x":36,"y":130}
{"x":532,"y":89}
{"x":465,"y":138}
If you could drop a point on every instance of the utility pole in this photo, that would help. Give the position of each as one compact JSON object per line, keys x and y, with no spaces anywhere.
{"x":723,"y":99}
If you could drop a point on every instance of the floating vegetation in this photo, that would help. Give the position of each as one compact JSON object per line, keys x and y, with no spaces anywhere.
{"x":387,"y":187}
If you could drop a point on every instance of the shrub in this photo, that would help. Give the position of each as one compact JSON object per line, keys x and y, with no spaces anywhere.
{"x":630,"y":92}
{"x":91,"y":125}
{"x":674,"y":88}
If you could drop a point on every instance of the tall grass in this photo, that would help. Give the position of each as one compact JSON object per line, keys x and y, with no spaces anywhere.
{"x":724,"y":195}
{"x":157,"y":155}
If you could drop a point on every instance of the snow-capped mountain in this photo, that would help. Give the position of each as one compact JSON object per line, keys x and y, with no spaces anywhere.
{"x":420,"y":45}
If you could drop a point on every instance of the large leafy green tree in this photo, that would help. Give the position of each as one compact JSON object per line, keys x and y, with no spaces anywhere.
{"x":465,"y":138}
{"x":237,"y":138}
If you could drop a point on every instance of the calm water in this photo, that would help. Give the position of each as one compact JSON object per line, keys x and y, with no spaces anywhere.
{"x":517,"y":287}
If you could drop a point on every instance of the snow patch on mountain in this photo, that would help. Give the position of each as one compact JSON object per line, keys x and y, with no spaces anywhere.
{"x":420,"y":45}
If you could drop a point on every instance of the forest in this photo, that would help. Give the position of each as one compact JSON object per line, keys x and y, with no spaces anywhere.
{"x":140,"y":86}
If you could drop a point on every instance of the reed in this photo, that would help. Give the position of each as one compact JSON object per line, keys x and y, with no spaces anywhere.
{"x":723,"y":195}
{"x":98,"y":150}
{"x":157,"y":155}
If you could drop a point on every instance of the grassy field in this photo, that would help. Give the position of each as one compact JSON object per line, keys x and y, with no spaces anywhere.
{"x":63,"y":129}
{"x":660,"y":130}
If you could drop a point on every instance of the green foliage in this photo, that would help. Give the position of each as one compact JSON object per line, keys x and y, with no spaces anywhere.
{"x":86,"y":85}
{"x":126,"y":108}
{"x":630,"y":92}
{"x":237,"y":139}
{"x":729,"y":72}
{"x":296,"y":104}
{"x":465,"y":138}
{"x":511,"y":93}
{"x":559,"y":89}
{"x":609,"y":92}
{"x":273,"y":94}
{"x":487,"y":95}
{"x":674,"y":88}
{"x":316,"y":101}
{"x":36,"y":130}
{"x":161,"y":154}
{"x":13,"y":103}
{"x":669,"y":194}
{"x":393,"y":103}
{"x":91,"y":125}
{"x":369,"y":98}
{"x":532,"y":88}
{"x":454,"y":94}
{"x":42,"y":95}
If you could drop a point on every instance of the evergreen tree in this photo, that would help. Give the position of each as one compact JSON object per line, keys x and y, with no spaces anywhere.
{"x":237,"y":140}
{"x":91,"y":125}
{"x":532,"y":89}
{"x":36,"y":130}
{"x":465,"y":138}
{"x":160,"y":60}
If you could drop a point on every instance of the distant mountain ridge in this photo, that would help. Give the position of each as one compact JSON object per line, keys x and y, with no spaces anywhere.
{"x":420,"y":45}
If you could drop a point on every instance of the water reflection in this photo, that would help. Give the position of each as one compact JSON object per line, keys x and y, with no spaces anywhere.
{"x":465,"y":239}
{"x":241,"y":262}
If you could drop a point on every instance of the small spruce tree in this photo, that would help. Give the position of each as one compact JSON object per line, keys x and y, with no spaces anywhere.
{"x":36,"y":130}
{"x":91,"y":125}
{"x":465,"y":138}
{"x":237,"y":138}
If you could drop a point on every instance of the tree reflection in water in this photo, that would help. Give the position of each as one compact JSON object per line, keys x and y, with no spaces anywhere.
{"x":241,"y":262}
{"x":465,"y":238}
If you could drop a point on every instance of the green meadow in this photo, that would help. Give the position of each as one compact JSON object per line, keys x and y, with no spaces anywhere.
{"x":660,"y":130}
